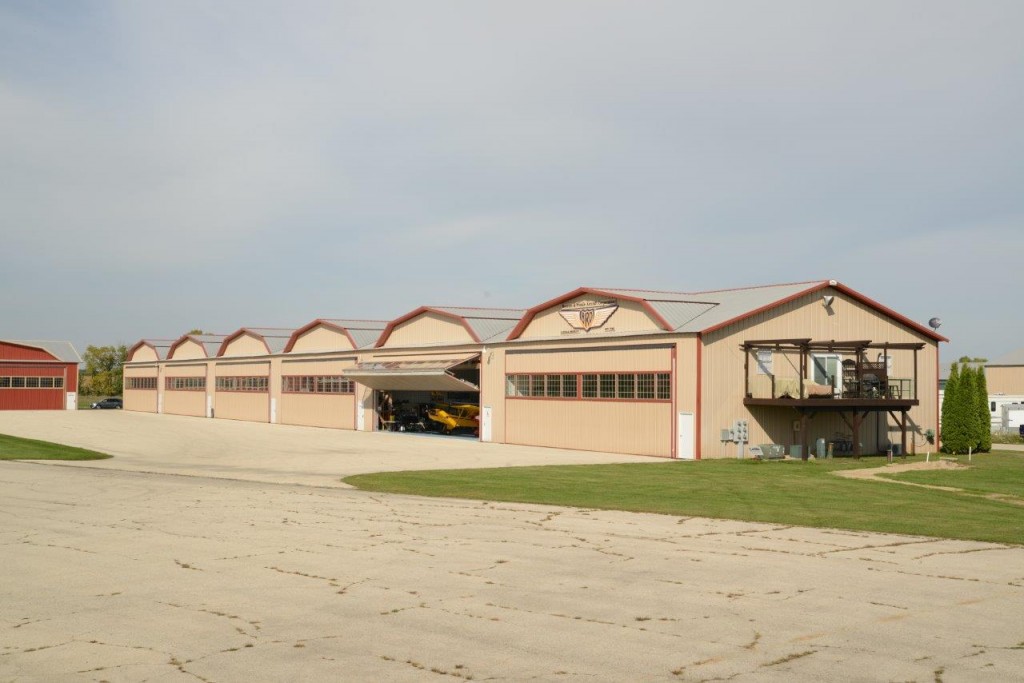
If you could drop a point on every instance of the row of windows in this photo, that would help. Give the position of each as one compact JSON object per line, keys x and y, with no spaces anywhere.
{"x":254,"y":384}
{"x":140,"y":382}
{"x":31,"y":382}
{"x":185,"y":383}
{"x":317,"y":384}
{"x":636,"y":386}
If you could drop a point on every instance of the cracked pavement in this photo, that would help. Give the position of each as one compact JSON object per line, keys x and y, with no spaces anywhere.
{"x":114,"y":575}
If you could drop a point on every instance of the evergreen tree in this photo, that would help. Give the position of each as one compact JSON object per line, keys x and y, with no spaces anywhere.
{"x":952,"y":431}
{"x":966,"y":407}
{"x":984,"y":416}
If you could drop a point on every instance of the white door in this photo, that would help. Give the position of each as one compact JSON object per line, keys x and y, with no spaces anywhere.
{"x":273,"y":411}
{"x":827,"y":369}
{"x":485,"y":424}
{"x":686,"y":448}
{"x":361,"y":415}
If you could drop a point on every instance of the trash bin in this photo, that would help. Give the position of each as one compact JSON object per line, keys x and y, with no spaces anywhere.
{"x":820,"y":449}
{"x":796,"y":451}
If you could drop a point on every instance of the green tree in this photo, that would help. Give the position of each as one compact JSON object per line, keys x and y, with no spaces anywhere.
{"x":953,"y":437}
{"x":984,"y":416}
{"x":102,"y":373}
{"x":966,"y":407}
{"x":197,"y":330}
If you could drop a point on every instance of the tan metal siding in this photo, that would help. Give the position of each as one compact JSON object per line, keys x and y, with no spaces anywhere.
{"x":582,"y":359}
{"x":143,"y":354}
{"x":643,"y":428}
{"x":242,"y":369}
{"x":189,"y":350}
{"x":1005,"y":380}
{"x":723,"y":374}
{"x":140,"y":400}
{"x":185,"y":370}
{"x":245,"y":345}
{"x":318,"y":410}
{"x":613,"y":426}
{"x":185,"y":402}
{"x":428,"y":328}
{"x":630,"y":317}
{"x":492,"y":390}
{"x":321,"y":338}
{"x":240,"y":405}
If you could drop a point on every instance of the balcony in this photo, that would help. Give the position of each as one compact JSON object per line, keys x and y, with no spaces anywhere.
{"x":831,"y":375}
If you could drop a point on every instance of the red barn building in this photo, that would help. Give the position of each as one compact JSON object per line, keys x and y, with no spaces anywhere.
{"x":38,"y":375}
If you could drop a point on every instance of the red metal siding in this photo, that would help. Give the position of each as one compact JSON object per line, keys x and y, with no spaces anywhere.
{"x":37,"y":399}
{"x":17,"y":352}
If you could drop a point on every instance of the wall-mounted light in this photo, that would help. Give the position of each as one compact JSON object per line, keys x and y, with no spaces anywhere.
{"x":827,"y":300}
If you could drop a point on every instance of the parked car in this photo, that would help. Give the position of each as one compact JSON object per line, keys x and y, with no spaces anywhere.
{"x":109,"y":403}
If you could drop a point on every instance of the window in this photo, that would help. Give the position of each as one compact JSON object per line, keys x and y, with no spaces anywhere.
{"x":8,"y":382}
{"x":247,"y":384}
{"x":664,"y":386}
{"x":185,"y":383}
{"x":317,"y":384}
{"x":645,"y":385}
{"x":629,"y":386}
{"x":569,"y":388}
{"x":764,"y":361}
{"x":140,"y":383}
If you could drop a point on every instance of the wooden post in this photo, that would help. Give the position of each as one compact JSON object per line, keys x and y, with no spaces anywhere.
{"x":903,"y":429}
{"x":746,"y":372}
{"x":856,"y":434}
{"x":805,"y":444}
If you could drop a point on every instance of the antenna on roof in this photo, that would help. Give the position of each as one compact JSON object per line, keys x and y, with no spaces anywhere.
{"x":935,"y":323}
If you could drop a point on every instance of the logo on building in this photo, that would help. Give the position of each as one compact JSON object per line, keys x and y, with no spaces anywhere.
{"x":587,"y":315}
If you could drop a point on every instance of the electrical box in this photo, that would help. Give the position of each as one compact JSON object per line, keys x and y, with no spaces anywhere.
{"x":740,"y":433}
{"x":727,"y":435}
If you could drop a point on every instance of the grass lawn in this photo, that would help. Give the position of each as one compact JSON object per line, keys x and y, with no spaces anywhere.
{"x":990,"y":473}
{"x":784,"y":492}
{"x":15,"y":448}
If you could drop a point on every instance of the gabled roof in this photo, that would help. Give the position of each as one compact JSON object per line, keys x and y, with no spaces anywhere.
{"x":483,"y":324}
{"x":362,"y":333}
{"x":210,"y":343}
{"x":160,"y":347}
{"x":61,"y":350}
{"x":1011,"y":358}
{"x":273,"y":338}
{"x":704,"y":312}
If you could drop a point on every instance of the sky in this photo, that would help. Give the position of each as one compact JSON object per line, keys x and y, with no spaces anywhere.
{"x":171,"y":165}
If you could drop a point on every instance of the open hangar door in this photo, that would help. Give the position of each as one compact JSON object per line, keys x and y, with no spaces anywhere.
{"x":440,"y":396}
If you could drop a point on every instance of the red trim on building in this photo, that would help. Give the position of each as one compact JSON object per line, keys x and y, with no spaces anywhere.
{"x":238,"y":333}
{"x":420,"y":311}
{"x":181,"y":340}
{"x":853,"y":294}
{"x":319,"y":321}
{"x":700,"y":386}
{"x":531,"y":313}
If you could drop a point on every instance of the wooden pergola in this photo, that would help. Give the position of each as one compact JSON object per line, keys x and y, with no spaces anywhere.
{"x":854,"y":405}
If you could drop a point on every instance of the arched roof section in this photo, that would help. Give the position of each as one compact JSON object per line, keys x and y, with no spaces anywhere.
{"x":209,"y":343}
{"x":481,"y":324}
{"x":39,"y":350}
{"x":274,"y":339}
{"x":360,"y":333}
{"x":160,"y":347}
{"x":531,"y":313}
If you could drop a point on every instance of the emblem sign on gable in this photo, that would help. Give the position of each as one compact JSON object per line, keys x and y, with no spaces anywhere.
{"x":588,"y":315}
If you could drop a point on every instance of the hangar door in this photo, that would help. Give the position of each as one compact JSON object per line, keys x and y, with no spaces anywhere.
{"x":315,"y":393}
{"x":25,"y":386}
{"x":185,"y":390}
{"x":439,"y":394}
{"x":242,"y":391}
{"x":140,"y":389}
{"x":615,"y":399}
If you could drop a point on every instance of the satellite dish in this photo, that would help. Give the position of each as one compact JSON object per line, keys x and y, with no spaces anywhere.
{"x":935,"y":323}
